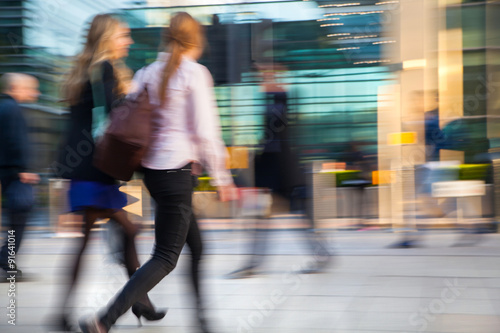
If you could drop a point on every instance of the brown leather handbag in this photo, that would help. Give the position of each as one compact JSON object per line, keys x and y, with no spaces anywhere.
{"x":120,"y":150}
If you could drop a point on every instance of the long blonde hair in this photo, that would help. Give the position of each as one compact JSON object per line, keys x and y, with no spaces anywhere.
{"x":183,"y":34}
{"x":95,"y":52}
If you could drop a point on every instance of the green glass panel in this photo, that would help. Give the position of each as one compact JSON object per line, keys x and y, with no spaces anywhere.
{"x":473,"y":26}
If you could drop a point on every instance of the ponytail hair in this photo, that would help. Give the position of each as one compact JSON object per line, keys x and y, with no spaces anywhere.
{"x":183,"y":34}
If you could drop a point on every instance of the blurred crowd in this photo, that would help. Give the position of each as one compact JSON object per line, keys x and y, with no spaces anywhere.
{"x":422,"y":167}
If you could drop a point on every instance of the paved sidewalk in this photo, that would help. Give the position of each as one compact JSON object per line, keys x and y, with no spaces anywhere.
{"x":369,"y":288}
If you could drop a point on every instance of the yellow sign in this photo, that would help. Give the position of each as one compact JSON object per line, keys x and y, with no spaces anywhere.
{"x":238,"y":158}
{"x":403,"y":138}
{"x":380,"y":177}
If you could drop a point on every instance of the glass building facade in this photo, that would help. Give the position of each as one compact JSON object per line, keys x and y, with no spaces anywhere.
{"x":480,"y":31}
{"x":333,"y":58}
{"x":329,"y":59}
{"x":39,"y":38}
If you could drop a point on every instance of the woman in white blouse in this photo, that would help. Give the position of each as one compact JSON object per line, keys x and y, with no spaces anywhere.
{"x":187,"y":130}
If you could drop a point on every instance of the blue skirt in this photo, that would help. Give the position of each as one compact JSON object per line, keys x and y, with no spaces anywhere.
{"x":88,"y":194}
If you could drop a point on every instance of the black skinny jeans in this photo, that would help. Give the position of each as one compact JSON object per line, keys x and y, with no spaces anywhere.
{"x":174,"y":225}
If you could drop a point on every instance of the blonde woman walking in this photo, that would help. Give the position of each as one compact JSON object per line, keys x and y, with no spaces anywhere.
{"x":99,"y":70}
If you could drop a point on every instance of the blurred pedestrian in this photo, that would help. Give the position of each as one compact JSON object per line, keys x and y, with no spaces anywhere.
{"x":277,"y":169}
{"x":99,"y":72}
{"x":187,"y":130}
{"x":358,"y":160}
{"x":424,"y":174}
{"x":16,"y":181}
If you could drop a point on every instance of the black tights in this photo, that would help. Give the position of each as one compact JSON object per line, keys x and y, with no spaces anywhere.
{"x":131,"y":260}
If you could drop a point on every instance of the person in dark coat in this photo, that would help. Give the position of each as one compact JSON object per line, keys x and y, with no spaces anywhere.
{"x":278,"y":170}
{"x":14,"y":163}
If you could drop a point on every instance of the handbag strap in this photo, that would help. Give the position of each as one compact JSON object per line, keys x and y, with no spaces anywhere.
{"x":99,"y":111}
{"x":97,"y":88}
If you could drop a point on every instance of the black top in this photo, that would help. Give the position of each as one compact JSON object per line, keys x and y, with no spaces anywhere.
{"x":77,"y":153}
{"x":278,"y":166}
{"x":14,"y":144}
{"x":275,"y":122}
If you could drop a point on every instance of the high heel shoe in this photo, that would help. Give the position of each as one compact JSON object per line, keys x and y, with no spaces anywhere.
{"x":65,"y":325}
{"x":202,"y":319}
{"x":59,"y":323}
{"x":91,"y":325}
{"x":204,"y":327}
{"x":141,"y":310}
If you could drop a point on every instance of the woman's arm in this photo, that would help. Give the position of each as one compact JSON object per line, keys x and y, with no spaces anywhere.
{"x":206,"y":127}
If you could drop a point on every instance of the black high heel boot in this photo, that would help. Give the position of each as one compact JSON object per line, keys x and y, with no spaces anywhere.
{"x":148,"y":312}
{"x":204,"y":327}
{"x":202,"y":319}
{"x":60,"y":323}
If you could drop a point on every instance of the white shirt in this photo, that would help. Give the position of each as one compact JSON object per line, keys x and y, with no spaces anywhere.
{"x":186,"y":126}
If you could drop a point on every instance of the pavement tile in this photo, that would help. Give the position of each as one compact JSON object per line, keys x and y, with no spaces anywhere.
{"x":368,"y":289}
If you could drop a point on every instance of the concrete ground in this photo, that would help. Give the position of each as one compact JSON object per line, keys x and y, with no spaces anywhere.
{"x":369,"y":287}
